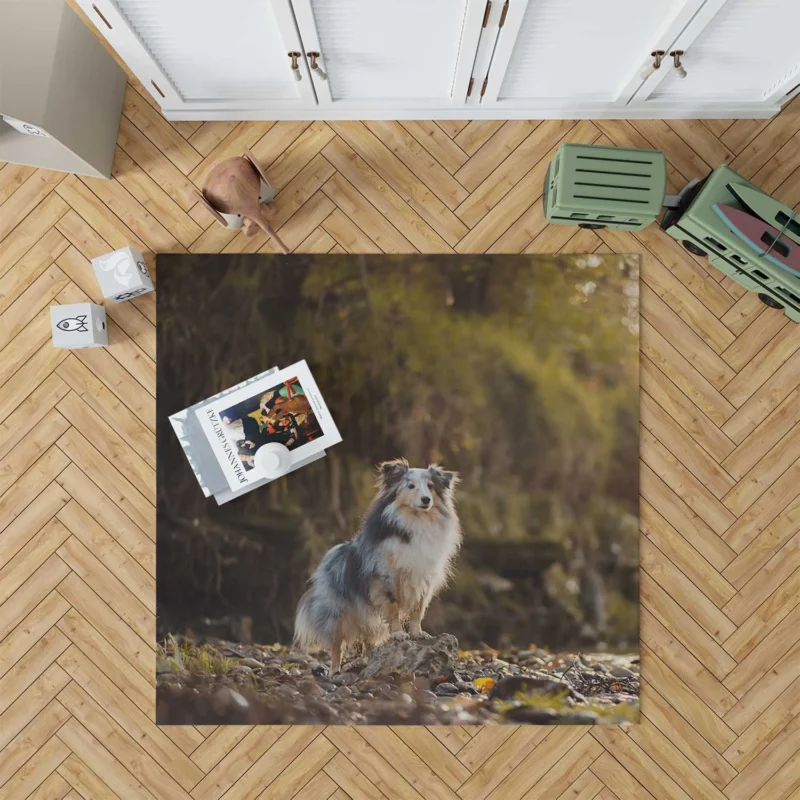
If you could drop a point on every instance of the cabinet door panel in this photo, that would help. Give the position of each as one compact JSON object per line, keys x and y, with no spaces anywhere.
{"x":395,"y":52}
{"x":579,"y":51}
{"x":748,"y":51}
{"x":206,"y":53}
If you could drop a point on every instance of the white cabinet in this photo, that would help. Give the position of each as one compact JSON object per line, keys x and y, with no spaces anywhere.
{"x":208,"y":56}
{"x":567,"y":53}
{"x":380,"y":54}
{"x":744,"y":52}
{"x":427,"y":59}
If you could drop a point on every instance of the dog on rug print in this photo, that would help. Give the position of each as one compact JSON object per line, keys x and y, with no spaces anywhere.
{"x":365,"y":589}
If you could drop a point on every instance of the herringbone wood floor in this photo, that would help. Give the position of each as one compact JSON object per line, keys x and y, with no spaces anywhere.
{"x":720,"y":466}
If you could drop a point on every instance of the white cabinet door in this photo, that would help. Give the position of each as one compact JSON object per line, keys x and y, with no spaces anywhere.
{"x":736,"y":51}
{"x":206,"y":53}
{"x":562,"y":54}
{"x":383,"y":54}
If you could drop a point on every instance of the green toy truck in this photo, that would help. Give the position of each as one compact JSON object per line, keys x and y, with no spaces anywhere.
{"x":605,"y":187}
{"x":702,"y":232}
{"x":624,"y":189}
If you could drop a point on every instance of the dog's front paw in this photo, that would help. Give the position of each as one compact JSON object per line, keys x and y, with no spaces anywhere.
{"x":399,"y":636}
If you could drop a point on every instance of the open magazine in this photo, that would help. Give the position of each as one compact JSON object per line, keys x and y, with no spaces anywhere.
{"x":227,"y":437}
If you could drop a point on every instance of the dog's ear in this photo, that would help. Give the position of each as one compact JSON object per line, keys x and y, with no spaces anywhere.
{"x":442,"y":478}
{"x":390,"y":472}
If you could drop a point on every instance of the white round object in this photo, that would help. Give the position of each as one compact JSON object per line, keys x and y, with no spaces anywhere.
{"x":273,"y":459}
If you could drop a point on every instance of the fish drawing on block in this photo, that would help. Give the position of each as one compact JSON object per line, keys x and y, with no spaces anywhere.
{"x":763,"y":238}
{"x":77,"y":324}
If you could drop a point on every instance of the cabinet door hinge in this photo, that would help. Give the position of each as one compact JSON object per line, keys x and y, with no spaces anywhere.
{"x":503,"y":15}
{"x":469,"y":88}
{"x":486,"y":13}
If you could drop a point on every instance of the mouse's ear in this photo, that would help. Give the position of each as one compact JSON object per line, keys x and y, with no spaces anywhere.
{"x":257,"y":167}
{"x":390,"y":472}
{"x":213,"y":211}
{"x":442,"y":478}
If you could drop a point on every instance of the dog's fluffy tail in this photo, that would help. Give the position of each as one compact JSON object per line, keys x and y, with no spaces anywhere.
{"x":310,"y":632}
{"x":336,"y":607}
{"x":323,"y":608}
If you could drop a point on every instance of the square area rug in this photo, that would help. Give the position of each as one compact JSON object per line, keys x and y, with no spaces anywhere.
{"x":468,"y":552}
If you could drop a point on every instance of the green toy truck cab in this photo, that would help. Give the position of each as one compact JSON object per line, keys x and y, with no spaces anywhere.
{"x":605,"y":187}
{"x":702,"y":232}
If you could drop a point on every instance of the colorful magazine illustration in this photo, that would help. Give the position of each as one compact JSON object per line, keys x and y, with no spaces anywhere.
{"x":284,"y":407}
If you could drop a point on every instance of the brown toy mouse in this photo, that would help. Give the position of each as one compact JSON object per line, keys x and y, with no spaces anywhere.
{"x":233,"y":188}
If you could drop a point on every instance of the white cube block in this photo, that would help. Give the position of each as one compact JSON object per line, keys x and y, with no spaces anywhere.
{"x":122,"y":274}
{"x":78,"y":325}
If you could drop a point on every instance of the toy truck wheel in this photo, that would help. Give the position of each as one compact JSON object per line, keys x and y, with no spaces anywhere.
{"x":693,"y":248}
{"x":592,"y":226}
{"x":769,"y":301}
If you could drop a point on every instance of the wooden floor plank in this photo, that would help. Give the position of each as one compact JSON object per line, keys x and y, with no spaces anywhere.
{"x":476,"y":133}
{"x":129,"y":718}
{"x":770,"y":724}
{"x":159,"y":131}
{"x":402,"y":180}
{"x":102,"y":764}
{"x":693,"y":457}
{"x":682,"y":410}
{"x":235,"y":762}
{"x":31,"y":521}
{"x":781,"y":602}
{"x":686,"y":738}
{"x":84,"y":780}
{"x":771,"y":431}
{"x":109,"y":624}
{"x":38,"y":768}
{"x":12,"y":176}
{"x":209,"y":135}
{"x":108,"y":587}
{"x":26,"y":198}
{"x":112,"y":446}
{"x":108,"y":515}
{"x":355,"y":206}
{"x":384,"y":198}
{"x":147,"y":156}
{"x":419,"y":161}
{"x":130,"y":753}
{"x":764,"y":400}
{"x":31,"y":738}
{"x":675,"y":583}
{"x":437,"y":143}
{"x":39,"y":294}
{"x":100,"y":470}
{"x":31,"y":230}
{"x":30,"y":267}
{"x":642,"y":766}
{"x":683,"y":555}
{"x":298,"y":154}
{"x":760,"y":697}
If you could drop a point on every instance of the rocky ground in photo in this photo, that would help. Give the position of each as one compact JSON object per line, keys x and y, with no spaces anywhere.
{"x":416,"y":682}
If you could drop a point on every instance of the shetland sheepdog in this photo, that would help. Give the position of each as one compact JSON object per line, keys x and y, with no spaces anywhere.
{"x":364,"y":590}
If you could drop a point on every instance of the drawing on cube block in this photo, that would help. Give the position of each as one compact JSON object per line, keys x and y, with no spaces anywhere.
{"x":78,"y":325}
{"x":74,"y":324}
{"x":122,"y":275}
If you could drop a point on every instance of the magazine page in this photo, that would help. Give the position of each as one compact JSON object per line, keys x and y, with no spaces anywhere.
{"x":226,"y":495}
{"x":197,"y":447}
{"x":286,"y":407}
